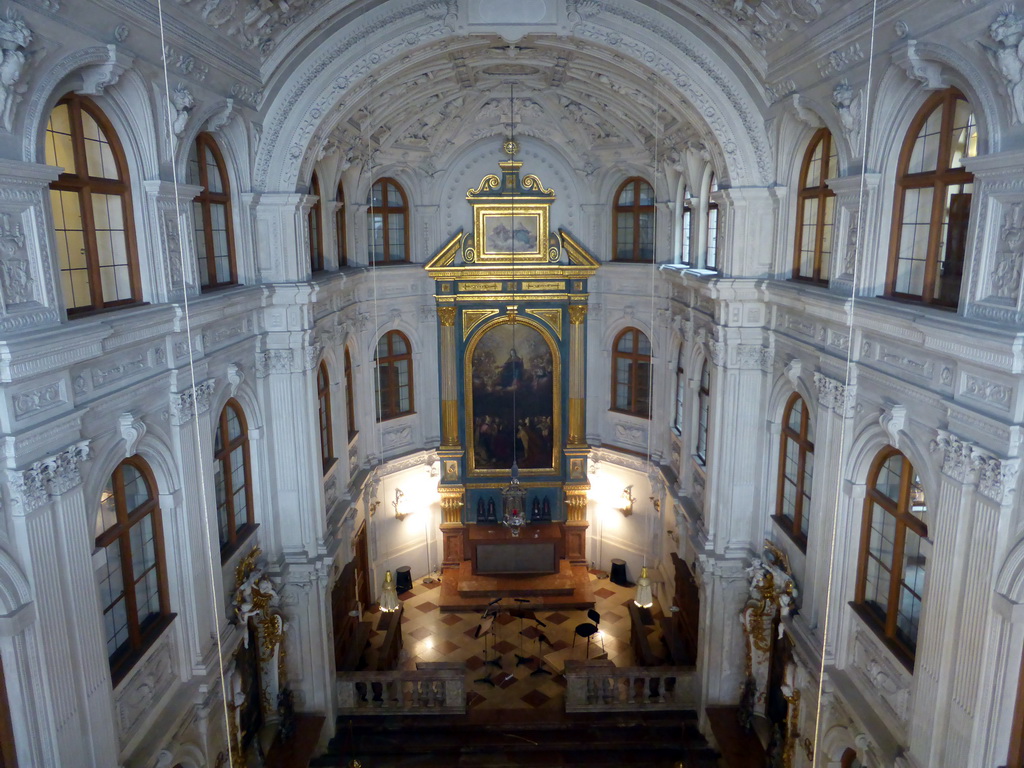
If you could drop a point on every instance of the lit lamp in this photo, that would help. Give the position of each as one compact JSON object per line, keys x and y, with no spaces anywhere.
{"x":389,"y":595}
{"x":644,"y":594}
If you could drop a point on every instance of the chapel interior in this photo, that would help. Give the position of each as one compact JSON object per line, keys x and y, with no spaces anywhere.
{"x":480,"y":384}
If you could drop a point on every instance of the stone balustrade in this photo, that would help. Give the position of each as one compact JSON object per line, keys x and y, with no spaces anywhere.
{"x":431,"y":688}
{"x":598,"y":686}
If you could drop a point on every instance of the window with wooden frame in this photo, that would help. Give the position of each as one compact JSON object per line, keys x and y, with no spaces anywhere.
{"x":394,"y":376}
{"x":816,"y":210}
{"x":315,"y":225}
{"x":703,"y":413}
{"x":387,"y":223}
{"x":350,"y":397}
{"x":211,"y":211}
{"x":891,"y":572}
{"x":711,"y":252}
{"x":634,"y":221}
{"x":933,"y":203}
{"x":687,"y":228}
{"x":796,"y":467}
{"x":232,"y":479}
{"x":129,"y":563}
{"x":1016,"y":757}
{"x":631,"y":382}
{"x":92,"y":209}
{"x":8,"y":756}
{"x":340,"y":233}
{"x":680,"y":394}
{"x":323,"y":394}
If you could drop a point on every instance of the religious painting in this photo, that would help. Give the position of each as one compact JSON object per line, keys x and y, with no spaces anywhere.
{"x":512,"y":385}
{"x":508,"y":234}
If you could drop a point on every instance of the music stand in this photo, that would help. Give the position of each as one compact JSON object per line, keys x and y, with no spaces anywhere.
{"x":522,"y":613}
{"x":484,"y":629}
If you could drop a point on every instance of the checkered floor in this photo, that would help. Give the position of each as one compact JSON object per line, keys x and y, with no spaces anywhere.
{"x":429,"y":635}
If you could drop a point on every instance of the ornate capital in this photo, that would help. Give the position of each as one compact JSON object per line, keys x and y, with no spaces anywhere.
{"x":48,"y":477}
{"x":957,"y":456}
{"x":185,"y":405}
{"x":835,"y":395}
{"x":447,"y":316}
{"x":577,"y":313}
{"x":996,"y":477}
{"x":274,"y":361}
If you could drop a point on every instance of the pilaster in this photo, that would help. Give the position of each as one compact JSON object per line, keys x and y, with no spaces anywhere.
{"x":174,"y":271}
{"x":854,"y":228}
{"x":746,"y":234}
{"x":282,"y":240}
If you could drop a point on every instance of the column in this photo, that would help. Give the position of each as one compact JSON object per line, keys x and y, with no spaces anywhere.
{"x":451,"y":452}
{"x":576,"y":449}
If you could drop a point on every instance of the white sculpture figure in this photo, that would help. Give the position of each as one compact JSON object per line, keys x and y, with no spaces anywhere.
{"x":847,"y":104}
{"x":14,"y":37}
{"x":182,"y":103}
{"x":1007,"y":56}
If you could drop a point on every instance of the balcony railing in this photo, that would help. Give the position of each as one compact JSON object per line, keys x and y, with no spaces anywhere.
{"x":432,"y":688}
{"x":600,"y":687}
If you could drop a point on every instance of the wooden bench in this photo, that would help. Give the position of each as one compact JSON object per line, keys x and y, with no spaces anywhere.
{"x":638,"y":639}
{"x":674,"y":643}
{"x":391,"y":625}
{"x":355,"y":646}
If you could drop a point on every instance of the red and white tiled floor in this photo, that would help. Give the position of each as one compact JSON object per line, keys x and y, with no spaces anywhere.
{"x":429,"y":635}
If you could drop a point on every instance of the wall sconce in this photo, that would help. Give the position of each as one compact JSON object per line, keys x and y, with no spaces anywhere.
{"x":656,"y":502}
{"x":399,"y":493}
{"x":627,"y":494}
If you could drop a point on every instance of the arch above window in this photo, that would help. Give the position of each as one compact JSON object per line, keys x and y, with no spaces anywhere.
{"x":796,"y":468}
{"x":232,"y":479}
{"x":393,"y":379}
{"x":129,"y":562}
{"x":893,"y":552}
{"x":211,"y":210}
{"x":92,"y":209}
{"x":631,"y":373}
{"x":387,"y":223}
{"x":933,"y":202}
{"x":815,"y":213}
{"x":633,"y":222}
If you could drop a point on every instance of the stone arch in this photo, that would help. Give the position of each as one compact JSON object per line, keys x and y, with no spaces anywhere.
{"x":1010,"y":576}
{"x":339,"y":72}
{"x":14,"y":587}
{"x":105,"y":457}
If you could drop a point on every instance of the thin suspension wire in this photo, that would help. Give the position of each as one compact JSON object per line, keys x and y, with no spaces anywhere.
{"x":515,"y":374}
{"x":861,"y":218}
{"x":215,"y":603}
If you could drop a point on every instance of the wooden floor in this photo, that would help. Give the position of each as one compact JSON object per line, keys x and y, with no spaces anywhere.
{"x":569,"y":589}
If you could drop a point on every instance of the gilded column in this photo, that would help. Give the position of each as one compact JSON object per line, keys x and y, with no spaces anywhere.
{"x":450,"y":453}
{"x":449,"y":379}
{"x":576,"y":449}
{"x":577,"y":375}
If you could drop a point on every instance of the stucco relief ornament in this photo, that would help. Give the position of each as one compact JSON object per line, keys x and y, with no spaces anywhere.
{"x":16,"y":282}
{"x":14,"y":38}
{"x":1007,"y":56}
{"x":848,"y":105}
{"x":182,"y":103}
{"x":1006,"y":275}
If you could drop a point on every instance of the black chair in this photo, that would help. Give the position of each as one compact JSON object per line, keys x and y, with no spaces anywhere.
{"x":588,"y":630}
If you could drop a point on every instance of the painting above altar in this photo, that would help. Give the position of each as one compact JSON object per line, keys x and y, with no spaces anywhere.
{"x":512,"y":382}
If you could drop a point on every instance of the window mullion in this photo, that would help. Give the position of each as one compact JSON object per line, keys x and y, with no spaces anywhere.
{"x":128,"y":580}
{"x":895,"y":577}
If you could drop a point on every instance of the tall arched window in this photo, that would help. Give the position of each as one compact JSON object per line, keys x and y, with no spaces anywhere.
{"x":339,"y":229}
{"x":634,"y":221}
{"x":232,"y":478}
{"x":890,"y":576}
{"x":394,"y":376}
{"x":703,"y":412}
{"x":315,"y":225}
{"x":815,"y":211}
{"x":323,"y":394}
{"x":92,"y":209}
{"x":350,"y":397}
{"x":680,"y":417}
{"x":631,"y":383}
{"x":711,"y":257}
{"x":933,"y":202}
{"x":211,"y":211}
{"x":129,"y":564}
{"x":388,"y":223}
{"x":687,"y":225}
{"x":796,"y":466}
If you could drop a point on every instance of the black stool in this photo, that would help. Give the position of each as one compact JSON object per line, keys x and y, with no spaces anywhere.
{"x":618,"y":574}
{"x":403,"y":579}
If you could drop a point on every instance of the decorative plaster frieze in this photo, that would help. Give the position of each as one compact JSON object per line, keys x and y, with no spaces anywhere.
{"x":1005,"y":275}
{"x":185,"y":63}
{"x":630,"y":435}
{"x":841,"y":60}
{"x":17,"y":283}
{"x":48,"y":477}
{"x":835,"y":395}
{"x":140,"y":692}
{"x":38,"y":399}
{"x":397,"y":437}
{"x":883,"y":680}
{"x":185,"y":405}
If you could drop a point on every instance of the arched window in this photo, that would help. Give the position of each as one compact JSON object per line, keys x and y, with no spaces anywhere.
{"x":92,"y":209}
{"x":211,"y":211}
{"x":339,"y":228}
{"x":388,"y":223}
{"x":315,"y":225}
{"x":711,"y":257}
{"x":350,"y":397}
{"x":634,"y":221}
{"x":394,"y":376}
{"x":796,"y":466}
{"x":631,"y":362}
{"x":890,"y":576}
{"x":815,"y":211}
{"x":232,"y":478}
{"x":933,"y":202}
{"x":323,"y":393}
{"x":703,"y":412}
{"x":129,"y":564}
{"x":687,"y":225}
{"x":680,"y":393}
